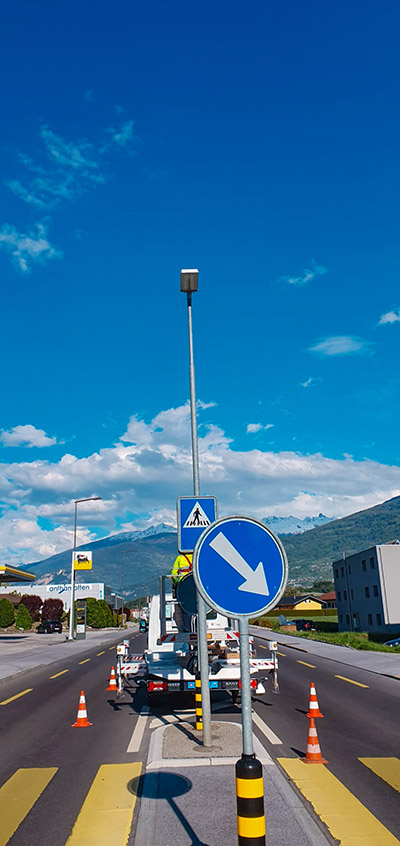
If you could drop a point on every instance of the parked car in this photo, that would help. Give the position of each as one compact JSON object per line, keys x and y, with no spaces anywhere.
{"x":395,"y":642}
{"x":143,"y":625}
{"x":304,"y":625}
{"x":49,"y":626}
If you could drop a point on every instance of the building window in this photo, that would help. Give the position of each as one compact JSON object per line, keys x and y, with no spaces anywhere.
{"x":366,"y":592}
{"x":375,"y":590}
{"x":378,"y":620}
{"x":341,"y":618}
{"x":339,"y":595}
{"x":352,"y":593}
{"x":342,"y":571}
{"x":349,"y":569}
{"x":363,"y":566}
{"x":336,"y":573}
{"x":372,"y":563}
{"x":345,"y":594}
{"x":370,"y":619}
{"x":347,"y":620}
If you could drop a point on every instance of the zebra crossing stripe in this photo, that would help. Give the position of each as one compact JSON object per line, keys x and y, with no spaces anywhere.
{"x":387,"y":769}
{"x":106,"y":814}
{"x":18,"y":795}
{"x":347,"y":819}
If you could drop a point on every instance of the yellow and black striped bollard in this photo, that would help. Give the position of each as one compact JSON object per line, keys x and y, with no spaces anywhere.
{"x":250,"y":802}
{"x":198,"y":704}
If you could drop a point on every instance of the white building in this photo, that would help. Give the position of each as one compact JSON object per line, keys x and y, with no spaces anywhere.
{"x":367,"y":587}
{"x":63,"y":592}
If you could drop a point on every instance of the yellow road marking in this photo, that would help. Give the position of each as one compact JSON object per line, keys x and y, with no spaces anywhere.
{"x":282,"y":653}
{"x":347,"y":819}
{"x":351,"y":681}
{"x":17,"y":695}
{"x":313,"y":667}
{"x":18,"y":795}
{"x":100,"y":653}
{"x":106,"y":814}
{"x":111,"y":647}
{"x":386,"y":768}
{"x":59,"y":674}
{"x":85,"y":661}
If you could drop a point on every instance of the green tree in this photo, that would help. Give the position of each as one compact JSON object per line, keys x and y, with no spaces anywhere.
{"x":94,"y":617}
{"x":33,"y":603}
{"x":7,"y":613}
{"x":23,"y":619}
{"x":323,"y":586}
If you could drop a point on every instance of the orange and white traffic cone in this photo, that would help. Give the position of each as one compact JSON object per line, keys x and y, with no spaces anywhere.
{"x":82,"y":720}
{"x":112,"y":684}
{"x":313,"y":707}
{"x":313,"y":751}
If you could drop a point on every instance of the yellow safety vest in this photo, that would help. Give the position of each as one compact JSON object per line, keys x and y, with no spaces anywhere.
{"x":182,"y":565}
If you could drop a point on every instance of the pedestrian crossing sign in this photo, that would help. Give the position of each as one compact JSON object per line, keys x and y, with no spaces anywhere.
{"x":195,"y":514}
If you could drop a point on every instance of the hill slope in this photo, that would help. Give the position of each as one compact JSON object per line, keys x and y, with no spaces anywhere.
{"x":311,"y":553}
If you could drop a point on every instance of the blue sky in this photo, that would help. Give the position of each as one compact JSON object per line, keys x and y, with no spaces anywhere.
{"x":258,"y":143}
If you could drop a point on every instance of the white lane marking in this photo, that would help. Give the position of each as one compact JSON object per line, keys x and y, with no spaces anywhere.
{"x":269,"y":734}
{"x":136,"y":739}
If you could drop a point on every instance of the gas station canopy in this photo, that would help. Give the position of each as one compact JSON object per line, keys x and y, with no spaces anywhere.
{"x":10,"y":575}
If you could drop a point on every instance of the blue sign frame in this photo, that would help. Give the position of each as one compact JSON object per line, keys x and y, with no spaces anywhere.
{"x":188,"y":535}
{"x":240,"y":567}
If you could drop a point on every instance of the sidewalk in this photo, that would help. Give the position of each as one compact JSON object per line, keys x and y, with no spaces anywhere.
{"x":188,"y":793}
{"x":376,"y":662}
{"x":20,"y":652}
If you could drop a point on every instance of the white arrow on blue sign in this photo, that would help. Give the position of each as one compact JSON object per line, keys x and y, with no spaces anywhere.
{"x":240,"y":567}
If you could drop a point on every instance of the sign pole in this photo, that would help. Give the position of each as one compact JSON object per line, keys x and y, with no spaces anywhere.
{"x":201,"y":605}
{"x":247,"y":724}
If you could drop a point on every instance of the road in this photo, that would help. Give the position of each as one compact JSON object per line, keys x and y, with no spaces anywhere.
{"x":36,"y":733}
{"x":360,"y":720}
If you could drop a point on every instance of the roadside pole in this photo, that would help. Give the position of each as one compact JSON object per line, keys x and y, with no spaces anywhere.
{"x":72,"y":609}
{"x":189,"y":280}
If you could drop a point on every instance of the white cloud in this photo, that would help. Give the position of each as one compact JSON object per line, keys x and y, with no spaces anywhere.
{"x":122,"y":134}
{"x":310,"y":381}
{"x":389,"y":317}
{"x":27,"y":248}
{"x":27,"y":436}
{"x":256,"y":427}
{"x":309,"y":273}
{"x":340,"y":345}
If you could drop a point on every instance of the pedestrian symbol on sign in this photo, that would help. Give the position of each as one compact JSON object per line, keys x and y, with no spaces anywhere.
{"x":197,"y":517}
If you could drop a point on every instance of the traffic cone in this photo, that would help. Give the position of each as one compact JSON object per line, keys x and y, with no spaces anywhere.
{"x":82,"y":720}
{"x":313,"y":751}
{"x":313,"y":707}
{"x":112,"y":684}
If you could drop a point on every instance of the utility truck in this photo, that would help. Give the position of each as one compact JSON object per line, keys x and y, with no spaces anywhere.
{"x":169,"y":664}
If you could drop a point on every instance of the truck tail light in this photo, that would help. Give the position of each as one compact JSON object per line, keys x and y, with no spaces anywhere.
{"x":253,"y":684}
{"x":157,"y":685}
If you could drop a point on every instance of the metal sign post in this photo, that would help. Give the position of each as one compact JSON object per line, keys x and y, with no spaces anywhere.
{"x":81,"y":619}
{"x":240,"y":569}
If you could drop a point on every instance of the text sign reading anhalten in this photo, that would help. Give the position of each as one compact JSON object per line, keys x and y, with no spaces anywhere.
{"x":240,"y":567}
{"x":195,"y":514}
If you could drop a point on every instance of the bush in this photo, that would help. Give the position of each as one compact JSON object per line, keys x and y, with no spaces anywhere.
{"x":23,"y":619}
{"x":313,"y":612}
{"x":52,"y":609}
{"x":7,"y":613}
{"x":33,"y":603}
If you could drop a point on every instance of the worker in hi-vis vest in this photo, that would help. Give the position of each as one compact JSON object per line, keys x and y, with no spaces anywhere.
{"x":182,"y":565}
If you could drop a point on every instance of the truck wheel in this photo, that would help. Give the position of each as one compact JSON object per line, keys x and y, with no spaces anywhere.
{"x":234,"y":695}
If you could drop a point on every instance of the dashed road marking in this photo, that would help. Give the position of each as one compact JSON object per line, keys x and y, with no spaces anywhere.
{"x":283,"y":654}
{"x":351,"y":681}
{"x":18,"y":795}
{"x":269,"y":734}
{"x":136,"y":739}
{"x":61,"y":673}
{"x":101,"y":653}
{"x":106,"y":814}
{"x":17,"y":696}
{"x":313,"y":667}
{"x":387,"y":769}
{"x":111,"y":647}
{"x":85,"y":661}
{"x":348,"y":820}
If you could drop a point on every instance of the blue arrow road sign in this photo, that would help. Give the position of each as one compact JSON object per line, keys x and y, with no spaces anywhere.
{"x":195,"y":514}
{"x":240,"y":567}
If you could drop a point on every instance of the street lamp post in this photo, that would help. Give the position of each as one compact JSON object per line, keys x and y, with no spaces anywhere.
{"x":189,"y":280}
{"x":71,"y":611}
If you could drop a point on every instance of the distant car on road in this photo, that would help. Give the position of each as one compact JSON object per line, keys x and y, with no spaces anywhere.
{"x":143,"y":625}
{"x":395,"y":642}
{"x":49,"y":626}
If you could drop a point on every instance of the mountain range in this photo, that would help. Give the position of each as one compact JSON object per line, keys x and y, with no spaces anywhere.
{"x":150,"y":553}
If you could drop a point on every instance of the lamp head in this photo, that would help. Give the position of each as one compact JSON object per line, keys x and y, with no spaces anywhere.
{"x":189,"y":280}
